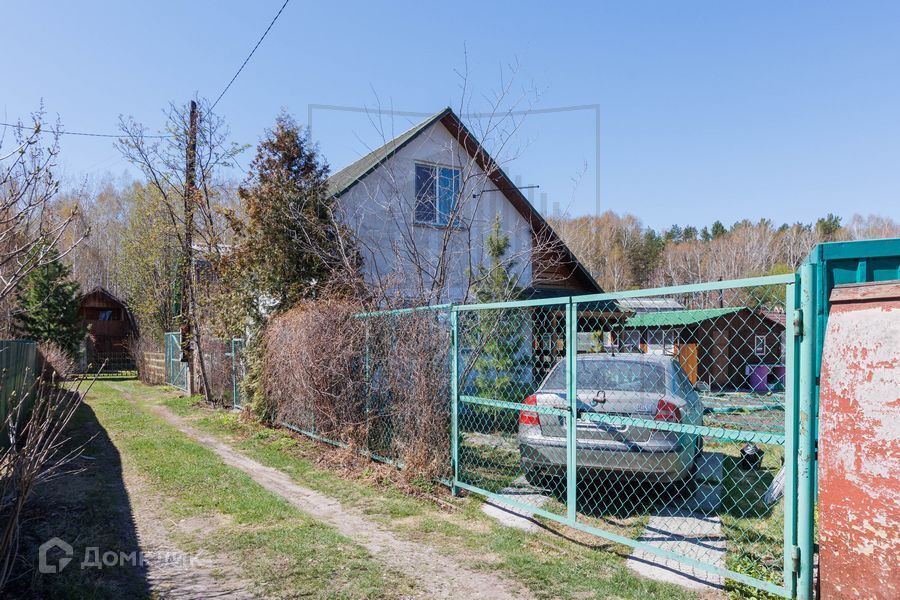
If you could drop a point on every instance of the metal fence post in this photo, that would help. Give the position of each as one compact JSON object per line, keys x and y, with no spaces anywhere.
{"x":793,"y":330}
{"x":454,"y":398}
{"x":235,"y":401}
{"x":571,"y":394}
{"x":806,"y":440}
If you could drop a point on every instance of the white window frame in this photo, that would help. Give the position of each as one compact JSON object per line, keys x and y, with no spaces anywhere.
{"x":760,"y":341}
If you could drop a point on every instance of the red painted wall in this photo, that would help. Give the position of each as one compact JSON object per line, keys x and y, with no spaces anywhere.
{"x":859,"y":444}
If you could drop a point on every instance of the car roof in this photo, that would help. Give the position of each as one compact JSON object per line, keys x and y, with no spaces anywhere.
{"x":629,"y":356}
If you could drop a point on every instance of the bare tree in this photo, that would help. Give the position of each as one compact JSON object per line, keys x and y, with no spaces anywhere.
{"x":31,"y":232}
{"x":161,"y":160}
{"x":409,"y":261}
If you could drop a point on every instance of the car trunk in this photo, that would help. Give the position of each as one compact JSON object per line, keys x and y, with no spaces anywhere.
{"x":638,"y":405}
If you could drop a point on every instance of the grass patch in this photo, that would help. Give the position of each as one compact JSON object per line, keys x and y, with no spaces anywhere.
{"x":284,"y":551}
{"x":550,"y":566}
{"x":754,"y":530}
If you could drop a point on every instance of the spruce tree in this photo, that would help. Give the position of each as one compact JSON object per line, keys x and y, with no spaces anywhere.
{"x":287,"y":243}
{"x":499,"y":367}
{"x":47,"y":303}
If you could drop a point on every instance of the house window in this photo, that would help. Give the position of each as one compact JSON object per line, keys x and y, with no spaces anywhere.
{"x":105,"y":315}
{"x":436,"y":191}
{"x":759,"y":346}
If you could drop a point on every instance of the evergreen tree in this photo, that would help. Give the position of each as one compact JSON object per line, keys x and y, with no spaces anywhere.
{"x":643,"y":257}
{"x":499,"y":365}
{"x":47,"y":303}
{"x":827,"y":228}
{"x":718,"y":230}
{"x":495,"y":284}
{"x":287,"y":244}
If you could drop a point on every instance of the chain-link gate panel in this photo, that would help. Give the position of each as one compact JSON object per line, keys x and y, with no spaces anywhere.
{"x":504,"y":354}
{"x":653,"y":418}
{"x":176,"y":370}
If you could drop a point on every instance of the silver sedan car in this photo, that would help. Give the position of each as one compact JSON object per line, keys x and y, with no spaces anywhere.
{"x":639,"y":386}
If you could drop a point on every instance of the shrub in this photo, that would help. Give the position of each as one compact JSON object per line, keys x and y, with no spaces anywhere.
{"x":377,"y":384}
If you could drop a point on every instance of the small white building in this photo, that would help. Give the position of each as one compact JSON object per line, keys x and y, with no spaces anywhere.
{"x":422,"y":207}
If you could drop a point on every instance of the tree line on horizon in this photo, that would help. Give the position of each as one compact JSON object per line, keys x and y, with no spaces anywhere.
{"x":621,"y":253}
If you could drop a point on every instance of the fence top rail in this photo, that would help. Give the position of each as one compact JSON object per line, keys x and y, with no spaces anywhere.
{"x":513,"y":304}
{"x":402,"y":311}
{"x":708,"y":286}
{"x":641,"y":293}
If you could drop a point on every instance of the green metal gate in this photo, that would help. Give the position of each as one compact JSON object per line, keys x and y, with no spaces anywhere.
{"x":667,"y":420}
{"x":177,"y":372}
{"x":238,"y":370}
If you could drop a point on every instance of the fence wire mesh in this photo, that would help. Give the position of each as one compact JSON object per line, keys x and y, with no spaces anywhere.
{"x":177,"y":372}
{"x":677,"y":441}
{"x":391,"y":400}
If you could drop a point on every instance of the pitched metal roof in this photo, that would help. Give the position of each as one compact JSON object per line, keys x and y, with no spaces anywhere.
{"x":350,"y":175}
{"x":678,"y":317}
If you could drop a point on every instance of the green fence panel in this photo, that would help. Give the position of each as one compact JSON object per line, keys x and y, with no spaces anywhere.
{"x":18,"y":366}
{"x":177,"y":371}
{"x":238,"y":371}
{"x":656,"y":419}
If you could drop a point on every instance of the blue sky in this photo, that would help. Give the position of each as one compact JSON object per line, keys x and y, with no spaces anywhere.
{"x":709,"y":110}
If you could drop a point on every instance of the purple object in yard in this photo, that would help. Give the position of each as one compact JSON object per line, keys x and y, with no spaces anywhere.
{"x":759,"y":378}
{"x":778,"y":372}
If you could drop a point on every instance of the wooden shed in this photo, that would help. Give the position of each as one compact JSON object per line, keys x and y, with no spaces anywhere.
{"x":726,"y":348}
{"x":109,"y":324}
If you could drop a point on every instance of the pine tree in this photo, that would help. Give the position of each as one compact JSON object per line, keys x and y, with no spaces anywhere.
{"x":47,"y":303}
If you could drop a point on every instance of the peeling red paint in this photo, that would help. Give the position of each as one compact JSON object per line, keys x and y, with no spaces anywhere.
{"x":859,"y":445}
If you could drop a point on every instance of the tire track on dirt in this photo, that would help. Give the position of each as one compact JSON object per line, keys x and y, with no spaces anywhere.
{"x":438,"y":575}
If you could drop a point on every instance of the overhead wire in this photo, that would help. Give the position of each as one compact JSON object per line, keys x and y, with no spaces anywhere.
{"x":249,"y":56}
{"x":82,"y":133}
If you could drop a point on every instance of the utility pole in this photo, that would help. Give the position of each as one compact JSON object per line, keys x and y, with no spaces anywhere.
{"x":190,"y":173}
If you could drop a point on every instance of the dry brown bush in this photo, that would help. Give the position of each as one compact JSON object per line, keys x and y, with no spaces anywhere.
{"x":377,"y":384}
{"x":411,"y":373}
{"x":58,"y":365}
{"x":312,"y":372}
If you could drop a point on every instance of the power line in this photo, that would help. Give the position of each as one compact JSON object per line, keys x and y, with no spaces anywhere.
{"x":82,"y":133}
{"x":246,"y":60}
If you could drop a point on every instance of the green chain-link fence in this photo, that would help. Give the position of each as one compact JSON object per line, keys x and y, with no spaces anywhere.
{"x":654,"y":418}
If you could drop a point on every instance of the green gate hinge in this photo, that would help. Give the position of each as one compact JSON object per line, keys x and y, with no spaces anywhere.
{"x":798,"y":323}
{"x":795,"y":559}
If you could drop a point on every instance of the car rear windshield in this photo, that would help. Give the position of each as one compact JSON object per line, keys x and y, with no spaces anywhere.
{"x":611,"y":375}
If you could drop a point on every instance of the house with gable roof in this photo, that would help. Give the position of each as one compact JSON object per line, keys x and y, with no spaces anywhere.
{"x":422,"y":207}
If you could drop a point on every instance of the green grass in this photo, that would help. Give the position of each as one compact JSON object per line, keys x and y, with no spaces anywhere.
{"x":287,"y":553}
{"x":755,"y":531}
{"x":550,"y":566}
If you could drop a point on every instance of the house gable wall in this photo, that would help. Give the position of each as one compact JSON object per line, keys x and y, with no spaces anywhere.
{"x":380,"y":208}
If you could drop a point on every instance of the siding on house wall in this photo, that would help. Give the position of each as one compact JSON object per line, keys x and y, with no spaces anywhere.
{"x":380,"y":208}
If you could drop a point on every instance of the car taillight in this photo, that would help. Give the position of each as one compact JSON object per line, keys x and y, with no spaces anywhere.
{"x":527,"y":417}
{"x":666,"y":410}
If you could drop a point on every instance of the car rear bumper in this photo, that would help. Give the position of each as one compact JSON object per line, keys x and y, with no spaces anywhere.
{"x":661,"y":461}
